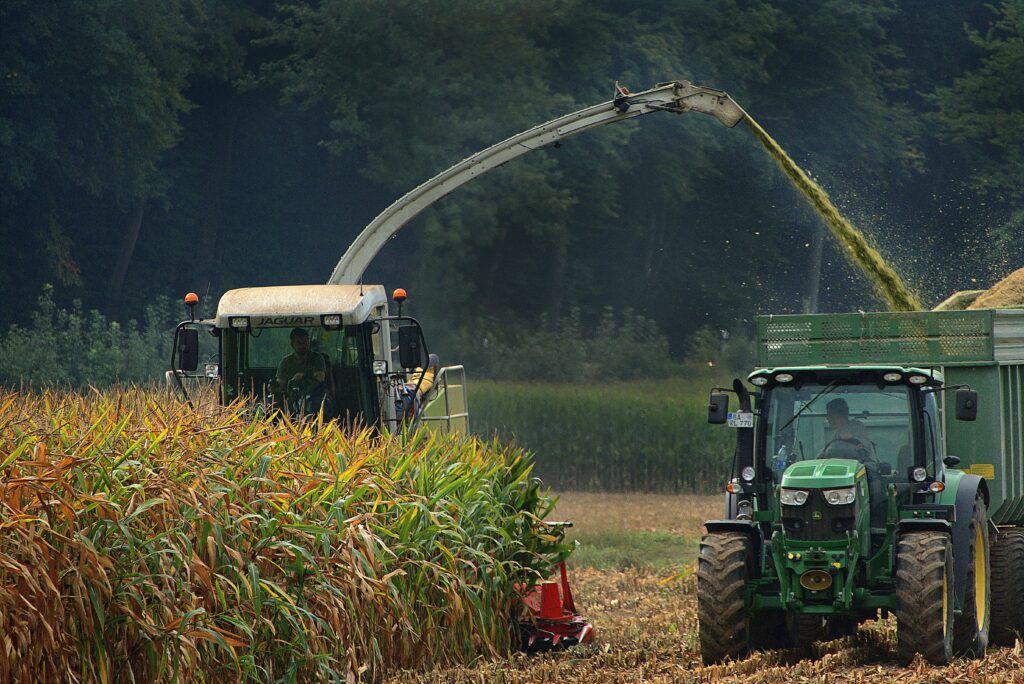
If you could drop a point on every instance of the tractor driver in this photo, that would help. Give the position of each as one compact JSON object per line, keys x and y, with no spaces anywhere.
{"x":302,"y":368}
{"x":851,"y":438}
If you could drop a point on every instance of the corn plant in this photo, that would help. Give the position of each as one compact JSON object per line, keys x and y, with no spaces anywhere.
{"x":143,"y":541}
{"x":615,"y":437}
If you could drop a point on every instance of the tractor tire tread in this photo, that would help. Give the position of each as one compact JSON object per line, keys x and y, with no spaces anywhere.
{"x":968,"y":639}
{"x":1007,"y":559}
{"x":924,"y":574}
{"x":723,"y":570}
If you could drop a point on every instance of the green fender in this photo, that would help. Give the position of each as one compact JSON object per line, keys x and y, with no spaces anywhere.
{"x":960,"y":492}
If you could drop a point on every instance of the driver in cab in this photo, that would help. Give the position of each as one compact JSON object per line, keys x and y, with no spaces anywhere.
{"x":851,"y":438}
{"x":302,"y":368}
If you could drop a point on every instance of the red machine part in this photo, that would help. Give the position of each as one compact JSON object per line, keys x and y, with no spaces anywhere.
{"x":553,"y":622}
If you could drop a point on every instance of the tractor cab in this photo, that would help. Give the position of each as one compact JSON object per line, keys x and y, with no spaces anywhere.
{"x":310,"y":349}
{"x":835,"y":443}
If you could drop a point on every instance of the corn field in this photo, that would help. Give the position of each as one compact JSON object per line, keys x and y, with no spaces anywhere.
{"x":143,"y":541}
{"x":613,"y":437}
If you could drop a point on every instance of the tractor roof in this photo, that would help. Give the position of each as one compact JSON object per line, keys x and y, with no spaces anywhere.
{"x":824,"y":373}
{"x":292,"y":305}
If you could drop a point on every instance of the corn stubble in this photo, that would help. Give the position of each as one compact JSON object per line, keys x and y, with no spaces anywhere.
{"x":142,"y":541}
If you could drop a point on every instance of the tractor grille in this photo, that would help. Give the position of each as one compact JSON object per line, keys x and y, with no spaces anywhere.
{"x":818,"y":520}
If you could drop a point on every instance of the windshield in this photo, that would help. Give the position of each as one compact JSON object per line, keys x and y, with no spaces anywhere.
{"x":862,"y":422}
{"x":266,"y":348}
{"x":312,"y":369}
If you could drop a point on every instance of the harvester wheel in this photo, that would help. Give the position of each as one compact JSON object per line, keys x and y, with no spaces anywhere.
{"x":971,"y":627}
{"x":924,"y":593}
{"x":1008,"y":585}
{"x":725,"y":566}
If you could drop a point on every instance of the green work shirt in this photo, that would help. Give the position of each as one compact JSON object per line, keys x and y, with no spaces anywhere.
{"x":292,"y":364}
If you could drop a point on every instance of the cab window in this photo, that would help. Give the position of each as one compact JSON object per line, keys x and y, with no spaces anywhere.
{"x":863,"y":422}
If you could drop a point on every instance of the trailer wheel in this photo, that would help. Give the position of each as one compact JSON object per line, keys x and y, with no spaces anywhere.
{"x":924,"y":594}
{"x":725,"y":566}
{"x":971,"y":627}
{"x":841,"y":626}
{"x":1008,"y":585}
{"x":805,"y":629}
{"x":768,"y":630}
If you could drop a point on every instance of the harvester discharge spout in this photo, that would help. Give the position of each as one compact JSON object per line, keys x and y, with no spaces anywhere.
{"x":674,"y":96}
{"x":690,"y":98}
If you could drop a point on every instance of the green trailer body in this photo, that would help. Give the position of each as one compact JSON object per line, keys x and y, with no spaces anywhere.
{"x":983,"y":349}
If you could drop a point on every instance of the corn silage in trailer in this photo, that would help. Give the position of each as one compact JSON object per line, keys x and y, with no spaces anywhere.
{"x":143,"y":541}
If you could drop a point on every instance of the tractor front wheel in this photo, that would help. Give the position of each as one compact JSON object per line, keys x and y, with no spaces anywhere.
{"x":924,"y":594}
{"x":725,"y":566}
{"x":1008,"y":586}
{"x":971,"y":627}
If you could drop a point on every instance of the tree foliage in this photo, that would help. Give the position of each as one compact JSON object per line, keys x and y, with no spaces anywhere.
{"x":150,"y":148}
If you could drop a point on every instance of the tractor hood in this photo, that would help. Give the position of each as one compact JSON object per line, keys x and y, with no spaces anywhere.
{"x":822,"y":473}
{"x":292,"y":305}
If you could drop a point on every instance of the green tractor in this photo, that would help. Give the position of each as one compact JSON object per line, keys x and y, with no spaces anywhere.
{"x":846,"y":501}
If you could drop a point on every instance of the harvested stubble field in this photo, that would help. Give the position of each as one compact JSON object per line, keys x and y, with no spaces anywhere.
{"x":646,"y":615}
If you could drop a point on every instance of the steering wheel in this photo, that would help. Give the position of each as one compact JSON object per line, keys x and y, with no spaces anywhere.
{"x":302,"y":387}
{"x":861,"y":451}
{"x":298,"y":391}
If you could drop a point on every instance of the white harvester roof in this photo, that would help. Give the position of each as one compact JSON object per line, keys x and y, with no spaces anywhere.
{"x":291,"y":305}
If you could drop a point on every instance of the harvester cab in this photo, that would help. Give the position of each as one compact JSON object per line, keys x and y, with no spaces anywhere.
{"x":846,"y":503}
{"x":335,"y":349}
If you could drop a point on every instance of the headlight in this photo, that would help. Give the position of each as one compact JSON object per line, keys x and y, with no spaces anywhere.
{"x":841,"y":497}
{"x":748,"y":474}
{"x":919,"y":474}
{"x":759,"y":380}
{"x":892,"y":377}
{"x":793,"y":497}
{"x":784,"y":377}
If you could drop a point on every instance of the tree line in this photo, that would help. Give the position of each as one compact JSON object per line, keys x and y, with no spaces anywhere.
{"x":151,"y":147}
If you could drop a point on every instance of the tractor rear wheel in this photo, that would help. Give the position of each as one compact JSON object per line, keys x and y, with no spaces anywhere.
{"x":1008,"y":585}
{"x":971,"y":627}
{"x":924,"y":596}
{"x":725,"y":566}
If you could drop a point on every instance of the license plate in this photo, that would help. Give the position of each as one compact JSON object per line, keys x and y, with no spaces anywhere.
{"x":740,"y":419}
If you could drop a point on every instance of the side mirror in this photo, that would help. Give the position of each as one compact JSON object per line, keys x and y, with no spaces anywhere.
{"x":951,"y":461}
{"x":410,"y":350}
{"x":966,"y":404}
{"x":188,"y":349}
{"x":718,"y":408}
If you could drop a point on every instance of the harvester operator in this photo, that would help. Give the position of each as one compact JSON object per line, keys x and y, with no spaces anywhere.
{"x":302,"y":368}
